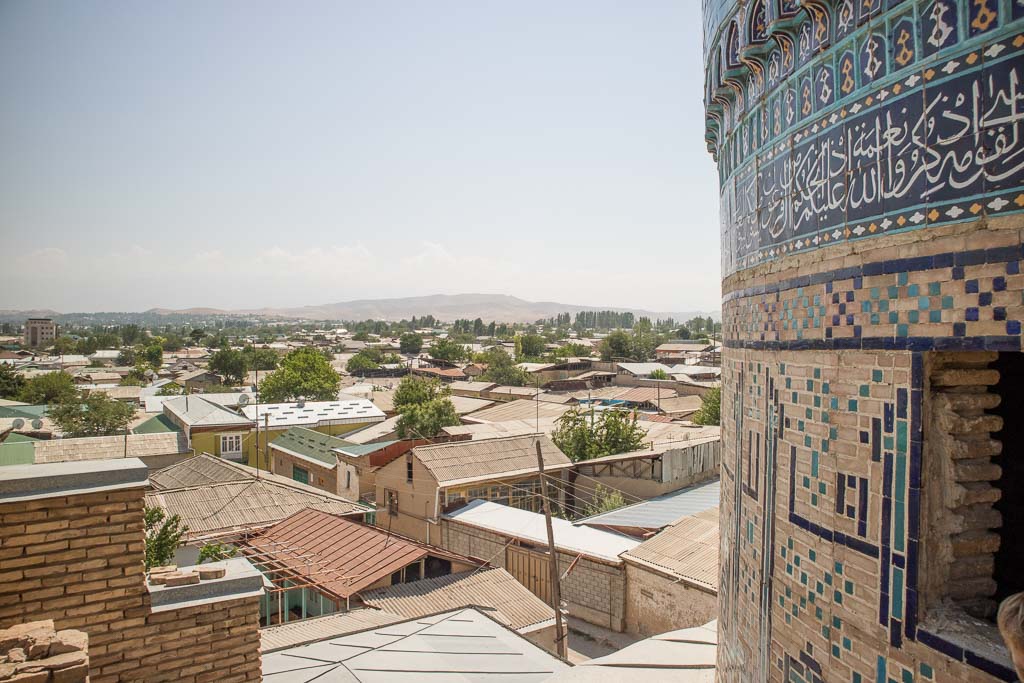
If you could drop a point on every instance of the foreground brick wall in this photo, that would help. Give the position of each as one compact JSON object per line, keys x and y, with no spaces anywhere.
{"x":78,"y":560}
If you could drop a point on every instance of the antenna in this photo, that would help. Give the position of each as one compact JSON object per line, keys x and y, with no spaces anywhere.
{"x":243,"y":400}
{"x":18,"y":423}
{"x":37,"y":423}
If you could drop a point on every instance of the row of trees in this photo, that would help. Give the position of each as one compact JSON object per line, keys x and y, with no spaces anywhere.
{"x":76,"y":413}
{"x":235,"y":364}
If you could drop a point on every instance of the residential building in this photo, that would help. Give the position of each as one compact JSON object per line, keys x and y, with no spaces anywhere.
{"x":40,"y":332}
{"x":197,"y":380}
{"x":476,"y":647}
{"x":672,"y":577}
{"x":320,"y":563}
{"x":328,"y":417}
{"x":210,"y":427}
{"x":594,"y":583}
{"x":680,"y":350}
{"x":73,"y":546}
{"x":872,"y":335}
{"x":647,"y":517}
{"x":154,"y":450}
{"x":414,"y":490}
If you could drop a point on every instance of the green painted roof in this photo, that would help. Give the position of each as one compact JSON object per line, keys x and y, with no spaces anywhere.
{"x":17,"y":453}
{"x":158,"y":424}
{"x":361,"y":449}
{"x":19,"y":438}
{"x":311,"y":444}
{"x":26,"y":412}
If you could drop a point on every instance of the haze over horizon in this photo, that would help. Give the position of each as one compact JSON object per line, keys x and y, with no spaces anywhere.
{"x":248,"y":155}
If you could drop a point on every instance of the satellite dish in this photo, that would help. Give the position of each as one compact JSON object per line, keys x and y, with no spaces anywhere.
{"x":243,"y":400}
{"x":18,"y":423}
{"x":37,"y":424}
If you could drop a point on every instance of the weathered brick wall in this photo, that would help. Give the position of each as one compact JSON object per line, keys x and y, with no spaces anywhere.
{"x":656,"y":603}
{"x":35,"y":652}
{"x":78,"y":560}
{"x":594,"y":591}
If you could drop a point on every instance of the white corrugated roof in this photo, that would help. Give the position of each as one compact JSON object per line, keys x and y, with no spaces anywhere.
{"x":314,"y":412}
{"x":510,"y":521}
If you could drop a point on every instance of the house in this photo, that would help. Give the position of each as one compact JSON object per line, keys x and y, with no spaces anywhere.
{"x":155,"y":450}
{"x":640,"y":370}
{"x":492,"y":589}
{"x":332,"y":463}
{"x":443,"y":374}
{"x":470,"y":389}
{"x":648,"y":517}
{"x":414,"y":490}
{"x":210,"y":427}
{"x":196,"y":380}
{"x":476,"y":647}
{"x":680,"y":407}
{"x":523,"y":409}
{"x":673,"y":350}
{"x":594,"y":583}
{"x":328,"y":417}
{"x":668,"y":464}
{"x":222,"y":501}
{"x":672,"y":578}
{"x":699,"y":373}
{"x":320,"y":563}
{"x":591,"y":379}
{"x":97,"y":378}
{"x":104,"y":356}
{"x":507,"y":393}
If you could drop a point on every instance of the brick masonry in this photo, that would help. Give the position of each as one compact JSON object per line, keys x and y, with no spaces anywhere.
{"x":868,"y":243}
{"x":77,"y":560}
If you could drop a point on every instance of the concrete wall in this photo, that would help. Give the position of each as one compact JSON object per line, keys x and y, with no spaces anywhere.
{"x":657,"y":602}
{"x":320,"y":476}
{"x":595,"y":591}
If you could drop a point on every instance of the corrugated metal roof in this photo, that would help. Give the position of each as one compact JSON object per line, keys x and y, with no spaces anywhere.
{"x":349,"y":557}
{"x":374,"y":432}
{"x":471,"y":386}
{"x":646,"y":394}
{"x":517,"y":607}
{"x":680,"y":404}
{"x":685,"y":347}
{"x":467,"y":404}
{"x":158,"y":424}
{"x":494,"y":430}
{"x":465,"y":645}
{"x":194,"y":410}
{"x":661,"y":511}
{"x":309,"y":444}
{"x":523,"y":409}
{"x":687,"y":550}
{"x":464,"y":461}
{"x":358,"y":450}
{"x":642,"y":368}
{"x":352,"y":411}
{"x":530,"y":526}
{"x":199,"y":470}
{"x":232,"y":506}
{"x":321,"y":628}
{"x":107,"y":447}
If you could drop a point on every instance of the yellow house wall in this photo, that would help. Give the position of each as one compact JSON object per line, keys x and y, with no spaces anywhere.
{"x":268,"y":436}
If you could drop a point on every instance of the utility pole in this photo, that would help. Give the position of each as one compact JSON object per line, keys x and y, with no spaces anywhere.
{"x":562,"y":634}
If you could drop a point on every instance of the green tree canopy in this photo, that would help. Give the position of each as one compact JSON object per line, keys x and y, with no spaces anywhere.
{"x":658,"y":373}
{"x":581,"y":435}
{"x":163,"y":536}
{"x":410,"y":343}
{"x":501,"y":369}
{"x":361,"y":362}
{"x":52,"y":387}
{"x":710,"y":411}
{"x":530,"y":346}
{"x":260,"y":359}
{"x":154,"y":355}
{"x":304,"y":373}
{"x":95,"y":414}
{"x":230,"y":363}
{"x":447,"y":349}
{"x":426,"y":420}
{"x":12,"y":383}
{"x":416,"y":390}
{"x":63,"y":345}
{"x":616,"y":345}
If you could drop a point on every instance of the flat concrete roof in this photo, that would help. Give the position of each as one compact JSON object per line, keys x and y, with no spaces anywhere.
{"x":32,"y":482}
{"x":240,"y":580}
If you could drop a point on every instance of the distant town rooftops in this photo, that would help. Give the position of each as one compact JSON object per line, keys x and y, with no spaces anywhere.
{"x":353,"y":411}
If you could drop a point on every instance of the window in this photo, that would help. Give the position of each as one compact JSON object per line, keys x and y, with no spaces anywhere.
{"x":408,"y":468}
{"x":391,"y":501}
{"x":300,"y":475}
{"x":348,"y":479}
{"x":230,"y":444}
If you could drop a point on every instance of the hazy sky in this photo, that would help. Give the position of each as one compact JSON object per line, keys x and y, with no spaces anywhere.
{"x":247,"y":154}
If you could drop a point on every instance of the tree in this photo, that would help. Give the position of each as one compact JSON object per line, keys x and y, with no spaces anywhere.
{"x":410,"y":343}
{"x":581,"y":437}
{"x":163,"y":536}
{"x":658,"y":373}
{"x":52,"y":387}
{"x":616,"y":345}
{"x":447,"y":349}
{"x":170,"y":389}
{"x":502,"y":370}
{"x":126,"y":357}
{"x":63,"y":345}
{"x":95,"y":414}
{"x":197,"y":335}
{"x":361,"y":362}
{"x":426,"y":420}
{"x":304,"y":373}
{"x":260,"y":359}
{"x":12,"y":383}
{"x":575,"y":435}
{"x":130,"y":334}
{"x":230,"y":363}
{"x":530,"y":346}
{"x":710,"y":411}
{"x":154,"y":355}
{"x":619,"y":432}
{"x":416,"y":390}
{"x":215,"y":552}
{"x":605,"y":500}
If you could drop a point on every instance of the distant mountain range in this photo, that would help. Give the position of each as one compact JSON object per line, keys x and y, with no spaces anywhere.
{"x":448,"y":307}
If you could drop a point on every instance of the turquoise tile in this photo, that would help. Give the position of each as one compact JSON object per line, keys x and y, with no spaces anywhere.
{"x":874,"y":293}
{"x":876,"y":376}
{"x":913,"y":316}
{"x":924,"y":303}
{"x":865,"y":390}
{"x":935,"y":316}
{"x":897,"y":593}
{"x":947,"y":302}
{"x":934,"y":288}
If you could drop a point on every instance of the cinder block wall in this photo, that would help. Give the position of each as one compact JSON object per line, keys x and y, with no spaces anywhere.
{"x":78,"y":560}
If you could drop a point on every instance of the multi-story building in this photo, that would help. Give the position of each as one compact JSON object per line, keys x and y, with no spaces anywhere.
{"x":40,"y":332}
{"x":871,"y":163}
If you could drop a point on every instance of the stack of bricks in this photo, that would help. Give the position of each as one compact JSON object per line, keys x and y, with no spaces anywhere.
{"x":37,"y":653}
{"x":78,"y":560}
{"x":961,"y":431}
